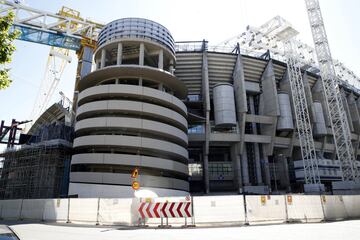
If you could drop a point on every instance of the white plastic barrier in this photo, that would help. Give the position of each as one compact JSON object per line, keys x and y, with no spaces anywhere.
{"x":265,"y":208}
{"x":304,"y":208}
{"x":56,"y":210}
{"x":83,"y":210}
{"x":334,"y":207}
{"x":219,"y":209}
{"x":32,"y":209}
{"x":115,"y":211}
{"x":352,"y":205}
{"x":10,"y":209}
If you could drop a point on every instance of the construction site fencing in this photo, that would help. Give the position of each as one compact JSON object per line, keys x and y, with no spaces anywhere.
{"x":205,"y":210}
{"x":304,"y":208}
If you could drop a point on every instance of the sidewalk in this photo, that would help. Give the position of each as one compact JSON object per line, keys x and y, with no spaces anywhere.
{"x":349,"y":230}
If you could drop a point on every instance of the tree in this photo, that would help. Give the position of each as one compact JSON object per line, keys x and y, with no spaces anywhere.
{"x":6,"y":48}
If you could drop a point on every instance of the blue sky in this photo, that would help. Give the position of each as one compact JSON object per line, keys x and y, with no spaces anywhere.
{"x":187,"y":20}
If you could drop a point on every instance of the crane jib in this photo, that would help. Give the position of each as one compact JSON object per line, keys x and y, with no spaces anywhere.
{"x":36,"y":35}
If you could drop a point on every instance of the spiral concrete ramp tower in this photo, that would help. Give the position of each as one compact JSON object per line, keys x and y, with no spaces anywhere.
{"x":130,"y":115}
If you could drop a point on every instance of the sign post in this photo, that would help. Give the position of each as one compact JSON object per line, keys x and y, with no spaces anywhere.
{"x":135,"y":184}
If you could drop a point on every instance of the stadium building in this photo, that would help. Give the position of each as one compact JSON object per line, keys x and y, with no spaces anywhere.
{"x":234,"y":128}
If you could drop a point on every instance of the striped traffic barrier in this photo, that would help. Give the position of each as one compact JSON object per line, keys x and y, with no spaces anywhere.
{"x":165,"y":210}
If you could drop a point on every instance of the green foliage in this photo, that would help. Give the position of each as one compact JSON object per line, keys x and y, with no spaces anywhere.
{"x":4,"y":79}
{"x":6,"y":47}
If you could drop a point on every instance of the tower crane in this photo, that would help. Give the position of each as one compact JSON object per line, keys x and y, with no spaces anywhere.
{"x":55,"y":66}
{"x":63,"y":31}
{"x":337,"y":114}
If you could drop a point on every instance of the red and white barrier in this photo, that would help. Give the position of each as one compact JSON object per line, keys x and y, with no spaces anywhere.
{"x":165,"y":209}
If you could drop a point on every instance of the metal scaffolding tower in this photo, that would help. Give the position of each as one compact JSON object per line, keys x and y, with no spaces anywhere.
{"x":337,"y":114}
{"x":304,"y":128}
{"x":269,"y":35}
{"x":282,"y":30}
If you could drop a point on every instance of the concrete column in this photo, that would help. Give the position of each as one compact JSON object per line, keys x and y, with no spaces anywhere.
{"x":245,"y":167}
{"x":235,"y":157}
{"x":161,"y":59}
{"x":140,"y":81}
{"x":119,"y":54}
{"x":283,"y":161}
{"x":171,"y":69}
{"x":240,"y":98}
{"x":269,"y":105}
{"x":347,"y":110}
{"x":266,"y":168}
{"x":103,"y":58}
{"x":160,"y":87}
{"x":256,"y":145}
{"x":141,"y":54}
{"x":207,"y":108}
{"x":206,"y":172}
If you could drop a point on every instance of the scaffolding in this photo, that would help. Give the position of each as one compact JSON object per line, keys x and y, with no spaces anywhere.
{"x":39,"y":170}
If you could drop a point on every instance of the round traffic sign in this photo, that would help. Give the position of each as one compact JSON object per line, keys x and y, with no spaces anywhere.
{"x":135,"y":185}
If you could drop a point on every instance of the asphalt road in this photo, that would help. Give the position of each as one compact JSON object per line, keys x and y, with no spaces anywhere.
{"x":349,"y":230}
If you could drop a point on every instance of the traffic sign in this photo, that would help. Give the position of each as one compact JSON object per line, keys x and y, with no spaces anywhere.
{"x":165,"y":210}
{"x":135,"y":185}
{"x":289,"y":199}
{"x":263,"y":200}
{"x":135,"y":173}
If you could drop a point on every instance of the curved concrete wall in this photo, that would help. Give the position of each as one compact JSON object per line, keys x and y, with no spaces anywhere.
{"x":124,"y":90}
{"x":134,"y":107}
{"x":130,"y":160}
{"x":84,"y":190}
{"x":134,"y":124}
{"x":134,"y":71}
{"x":148,"y":144}
{"x":130,"y":116}
{"x":125,"y":179}
{"x":320,"y":125}
{"x":285,"y":121}
{"x":224,"y":105}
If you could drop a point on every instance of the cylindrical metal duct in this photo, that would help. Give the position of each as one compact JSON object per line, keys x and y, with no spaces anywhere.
{"x":285,"y":120}
{"x":224,"y":105}
{"x":319,"y":126}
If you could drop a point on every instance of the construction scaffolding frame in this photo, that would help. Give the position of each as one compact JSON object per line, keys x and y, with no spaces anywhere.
{"x":36,"y":171}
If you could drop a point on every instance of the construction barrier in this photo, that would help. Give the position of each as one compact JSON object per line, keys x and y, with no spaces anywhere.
{"x":11,"y":209}
{"x":334,"y":207}
{"x":56,"y":210}
{"x":219,"y":209}
{"x":32,"y":209}
{"x":303,"y":208}
{"x":352,"y":205}
{"x":267,"y":208}
{"x":165,"y":211}
{"x":185,"y":211}
{"x":116,"y":211}
{"x":84,"y":210}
